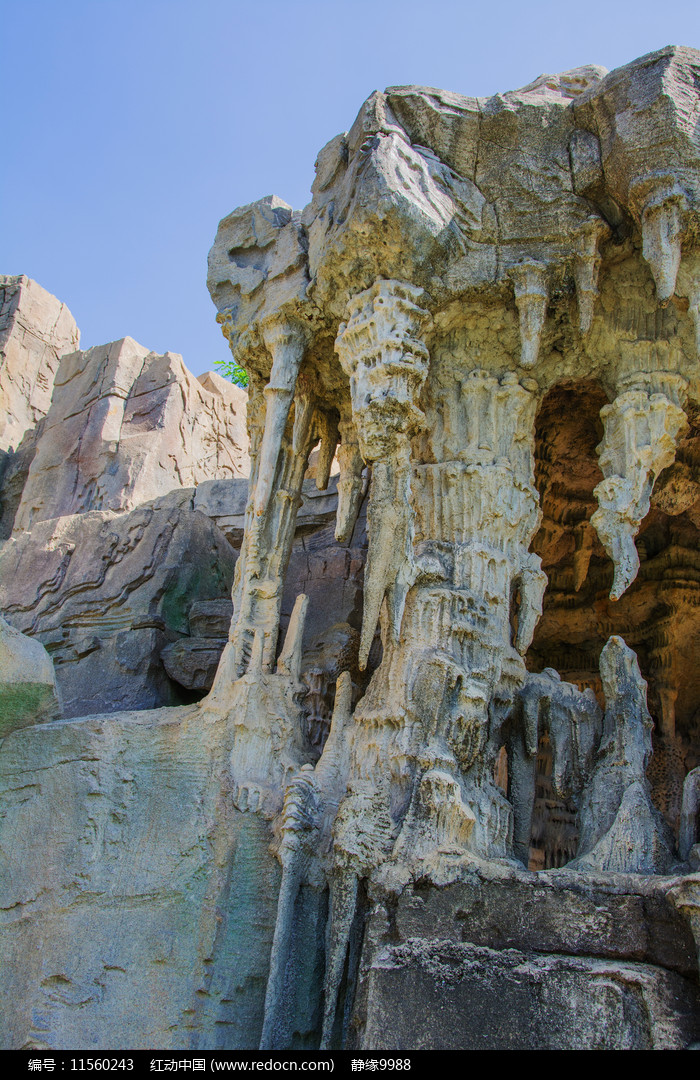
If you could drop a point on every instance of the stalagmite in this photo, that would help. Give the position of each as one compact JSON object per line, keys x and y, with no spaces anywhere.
{"x":620,"y":828}
{"x":289,"y":661}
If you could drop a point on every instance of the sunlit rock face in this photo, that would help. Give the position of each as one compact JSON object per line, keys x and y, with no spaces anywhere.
{"x":488,"y":317}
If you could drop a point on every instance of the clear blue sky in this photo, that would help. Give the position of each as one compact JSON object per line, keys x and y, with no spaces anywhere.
{"x":131,"y":128}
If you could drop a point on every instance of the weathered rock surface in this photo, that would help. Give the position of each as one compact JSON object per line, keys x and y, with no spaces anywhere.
{"x":126,"y":426}
{"x":36,"y":329}
{"x":122,"y":914}
{"x":28,"y":692}
{"x":192,"y":661}
{"x":621,"y":829}
{"x":529,"y":961}
{"x":105,"y":593}
{"x":490,"y":1000}
{"x":464,"y":268}
{"x":329,"y":572}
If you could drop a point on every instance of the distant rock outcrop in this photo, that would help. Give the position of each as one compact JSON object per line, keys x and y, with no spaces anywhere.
{"x":126,"y":426}
{"x":36,"y":329}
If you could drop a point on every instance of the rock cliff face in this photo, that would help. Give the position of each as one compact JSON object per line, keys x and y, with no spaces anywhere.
{"x":106,"y":551}
{"x":126,"y":426}
{"x":35,"y":330}
{"x":459,"y":808}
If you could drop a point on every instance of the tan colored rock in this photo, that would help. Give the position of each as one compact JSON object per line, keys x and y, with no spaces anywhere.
{"x":126,"y":426}
{"x":36,"y":329}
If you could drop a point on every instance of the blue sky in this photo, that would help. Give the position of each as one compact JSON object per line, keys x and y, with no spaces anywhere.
{"x":131,"y":128}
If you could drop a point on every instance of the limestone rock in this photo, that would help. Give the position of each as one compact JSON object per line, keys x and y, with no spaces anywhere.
{"x":490,"y":1000}
{"x":329,"y":572}
{"x":105,"y":593}
{"x":98,"y":812}
{"x":478,"y":294}
{"x":439,"y":301}
{"x":502,"y":956}
{"x":621,"y":829}
{"x":28,"y":691}
{"x":211,"y":618}
{"x":126,"y":426}
{"x":192,"y":661}
{"x":36,"y":329}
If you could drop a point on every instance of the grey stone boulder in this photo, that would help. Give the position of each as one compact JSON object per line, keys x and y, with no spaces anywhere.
{"x":28,"y":692}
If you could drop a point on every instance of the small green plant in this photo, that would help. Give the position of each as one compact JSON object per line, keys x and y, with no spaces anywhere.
{"x":233,"y":371}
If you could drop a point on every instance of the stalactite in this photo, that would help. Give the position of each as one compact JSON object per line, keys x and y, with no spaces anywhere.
{"x":327,"y":427}
{"x":387,"y":364}
{"x":286,"y":342}
{"x":531,"y":295}
{"x":663,"y":205}
{"x":586,"y":267}
{"x":350,"y":482}
{"x":642,"y":428}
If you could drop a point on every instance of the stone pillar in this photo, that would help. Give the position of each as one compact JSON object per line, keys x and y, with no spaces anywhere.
{"x":381,"y":350}
{"x":283,"y":433}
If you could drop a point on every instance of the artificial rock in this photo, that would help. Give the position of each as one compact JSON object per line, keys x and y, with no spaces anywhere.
{"x":106,"y":592}
{"x":36,"y":329}
{"x":458,"y":807}
{"x":126,"y":426}
{"x":28,"y":691}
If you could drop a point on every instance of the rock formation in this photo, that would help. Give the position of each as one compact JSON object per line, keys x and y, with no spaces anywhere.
{"x":488,"y":317}
{"x":36,"y":329}
{"x":126,"y":426}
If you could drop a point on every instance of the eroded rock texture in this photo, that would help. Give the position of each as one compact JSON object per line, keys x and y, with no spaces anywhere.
{"x":105,"y":549}
{"x":126,"y":426}
{"x":105,"y":593}
{"x":488,"y":316}
{"x":36,"y":329}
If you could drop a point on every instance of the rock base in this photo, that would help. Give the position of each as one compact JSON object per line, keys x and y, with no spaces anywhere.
{"x":524,"y":961}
